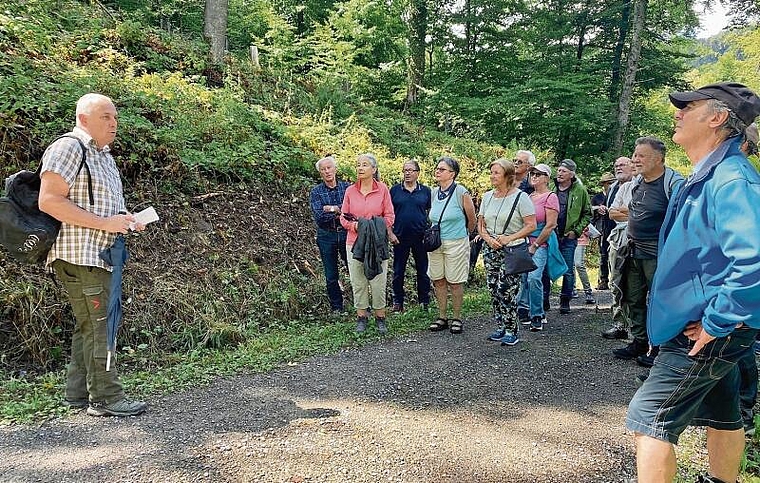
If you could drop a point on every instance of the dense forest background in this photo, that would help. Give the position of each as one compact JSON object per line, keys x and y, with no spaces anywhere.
{"x":223,"y":142}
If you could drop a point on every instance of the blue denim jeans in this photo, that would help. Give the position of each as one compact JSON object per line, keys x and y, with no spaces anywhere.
{"x":567,"y":249}
{"x":532,"y":290}
{"x":332,"y":246}
{"x":401,"y":253}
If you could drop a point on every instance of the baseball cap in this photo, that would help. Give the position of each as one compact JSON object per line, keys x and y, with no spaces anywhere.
{"x":543,"y":169}
{"x":567,"y":163}
{"x":607,"y":178}
{"x":738,"y":97}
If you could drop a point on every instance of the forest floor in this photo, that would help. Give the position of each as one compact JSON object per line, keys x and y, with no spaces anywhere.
{"x":432,"y":407}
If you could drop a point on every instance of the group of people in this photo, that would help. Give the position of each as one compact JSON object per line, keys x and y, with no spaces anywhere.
{"x":681,"y":257}
{"x":684,"y":259}
{"x":527,"y":209}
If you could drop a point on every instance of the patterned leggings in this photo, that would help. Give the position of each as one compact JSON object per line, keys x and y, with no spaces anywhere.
{"x":504,"y":288}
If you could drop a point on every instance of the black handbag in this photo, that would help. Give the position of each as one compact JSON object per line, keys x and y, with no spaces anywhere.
{"x":517,"y":258}
{"x":431,"y":238}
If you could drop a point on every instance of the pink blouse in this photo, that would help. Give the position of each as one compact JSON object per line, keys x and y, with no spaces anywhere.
{"x":375,"y":203}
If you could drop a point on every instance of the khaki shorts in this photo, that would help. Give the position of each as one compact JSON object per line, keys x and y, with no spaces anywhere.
{"x":450,"y":261}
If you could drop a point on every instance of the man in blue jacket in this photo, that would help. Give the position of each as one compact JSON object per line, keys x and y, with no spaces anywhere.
{"x":705,"y":296}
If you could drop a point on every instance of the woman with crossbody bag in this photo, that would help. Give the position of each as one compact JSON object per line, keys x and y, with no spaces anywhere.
{"x":506,"y":217}
{"x":449,"y":265}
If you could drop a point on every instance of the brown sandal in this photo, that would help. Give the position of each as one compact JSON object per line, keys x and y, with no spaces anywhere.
{"x":456,"y":326}
{"x":438,"y":325}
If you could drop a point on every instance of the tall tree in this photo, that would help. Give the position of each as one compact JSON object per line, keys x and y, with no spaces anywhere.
{"x":624,"y":104}
{"x":215,"y":28}
{"x":418,"y":22}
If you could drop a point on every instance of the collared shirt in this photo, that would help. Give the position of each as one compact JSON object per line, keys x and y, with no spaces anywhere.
{"x":411,"y":208}
{"x":375,"y":203}
{"x":321,"y":196}
{"x":77,"y":244}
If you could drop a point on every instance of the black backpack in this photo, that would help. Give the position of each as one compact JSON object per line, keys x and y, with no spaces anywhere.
{"x":25,"y":231}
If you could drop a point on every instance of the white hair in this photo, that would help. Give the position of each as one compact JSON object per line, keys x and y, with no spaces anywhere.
{"x":326,"y":158}
{"x":531,"y":156}
{"x":86,"y":103}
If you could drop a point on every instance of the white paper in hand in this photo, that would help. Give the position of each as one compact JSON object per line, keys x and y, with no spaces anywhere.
{"x":148,"y":215}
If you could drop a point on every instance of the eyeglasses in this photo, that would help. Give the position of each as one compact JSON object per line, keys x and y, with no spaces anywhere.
{"x":443,"y":169}
{"x":409,"y":170}
{"x":536,"y":174}
{"x":518,"y":162}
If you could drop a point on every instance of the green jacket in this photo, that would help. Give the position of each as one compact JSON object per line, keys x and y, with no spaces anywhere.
{"x":578,"y":208}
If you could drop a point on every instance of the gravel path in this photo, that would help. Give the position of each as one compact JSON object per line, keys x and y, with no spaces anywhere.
{"x":427,"y":408}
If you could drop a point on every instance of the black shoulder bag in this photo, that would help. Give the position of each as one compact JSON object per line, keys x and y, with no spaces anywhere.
{"x":517,"y":258}
{"x":431,"y":239}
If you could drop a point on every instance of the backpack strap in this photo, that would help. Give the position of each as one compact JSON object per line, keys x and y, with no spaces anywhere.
{"x":82,"y":164}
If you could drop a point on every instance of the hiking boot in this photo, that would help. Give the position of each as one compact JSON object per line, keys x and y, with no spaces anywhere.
{"x":509,"y":339}
{"x":615,"y":332}
{"x":497,"y":335}
{"x":76,"y":403}
{"x":564,"y":305}
{"x":575,"y":294}
{"x":536,"y":323}
{"x":749,"y":428}
{"x":361,"y":324}
{"x":632,"y":350}
{"x":125,"y":407}
{"x":523,"y":316}
{"x":647,"y":360}
{"x":603,"y":285}
{"x":590,"y":298}
{"x":381,"y":326}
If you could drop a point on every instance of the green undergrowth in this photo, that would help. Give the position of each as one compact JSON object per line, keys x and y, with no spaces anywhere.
{"x":30,"y":400}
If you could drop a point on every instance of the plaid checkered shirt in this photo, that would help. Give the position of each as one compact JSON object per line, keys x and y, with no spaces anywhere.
{"x":77,"y":244}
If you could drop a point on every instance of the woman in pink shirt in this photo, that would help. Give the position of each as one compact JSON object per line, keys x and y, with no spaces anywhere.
{"x":367,"y":198}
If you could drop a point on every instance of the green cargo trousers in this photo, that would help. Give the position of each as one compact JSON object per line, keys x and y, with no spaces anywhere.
{"x":637,"y":282}
{"x":89,"y":289}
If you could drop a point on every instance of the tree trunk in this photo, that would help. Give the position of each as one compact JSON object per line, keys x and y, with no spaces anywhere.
{"x":623,"y":111}
{"x":418,"y":20}
{"x":617,"y":58}
{"x":215,"y":28}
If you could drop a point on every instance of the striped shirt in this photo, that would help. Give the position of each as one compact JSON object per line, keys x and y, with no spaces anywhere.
{"x":77,"y":244}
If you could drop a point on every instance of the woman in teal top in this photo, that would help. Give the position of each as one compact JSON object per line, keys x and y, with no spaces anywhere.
{"x":449,"y":265}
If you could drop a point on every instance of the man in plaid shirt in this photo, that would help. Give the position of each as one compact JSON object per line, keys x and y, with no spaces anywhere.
{"x":326,"y":200}
{"x":86,"y":229}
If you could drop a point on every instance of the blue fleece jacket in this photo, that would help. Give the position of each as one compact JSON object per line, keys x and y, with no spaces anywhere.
{"x":708,"y":268}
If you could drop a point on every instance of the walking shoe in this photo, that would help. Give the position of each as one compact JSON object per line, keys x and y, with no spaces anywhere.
{"x":536,"y":323}
{"x":497,"y":335}
{"x":361,"y":324}
{"x":647,"y":360}
{"x":590,"y":298}
{"x":523,"y":316}
{"x":125,"y":407}
{"x":76,"y":403}
{"x":564,"y":305}
{"x":749,"y":428}
{"x":575,"y":294}
{"x":509,"y":339}
{"x":615,"y":332}
{"x":381,"y":326}
{"x":632,"y":350}
{"x":709,"y":479}
{"x":603,"y":285}
{"x":398,"y":308}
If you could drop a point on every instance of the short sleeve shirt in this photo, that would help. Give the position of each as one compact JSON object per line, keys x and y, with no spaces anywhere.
{"x":495,"y":212}
{"x":76,"y":244}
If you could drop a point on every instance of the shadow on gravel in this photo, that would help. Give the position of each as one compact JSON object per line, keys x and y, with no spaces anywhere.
{"x":558,"y":389}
